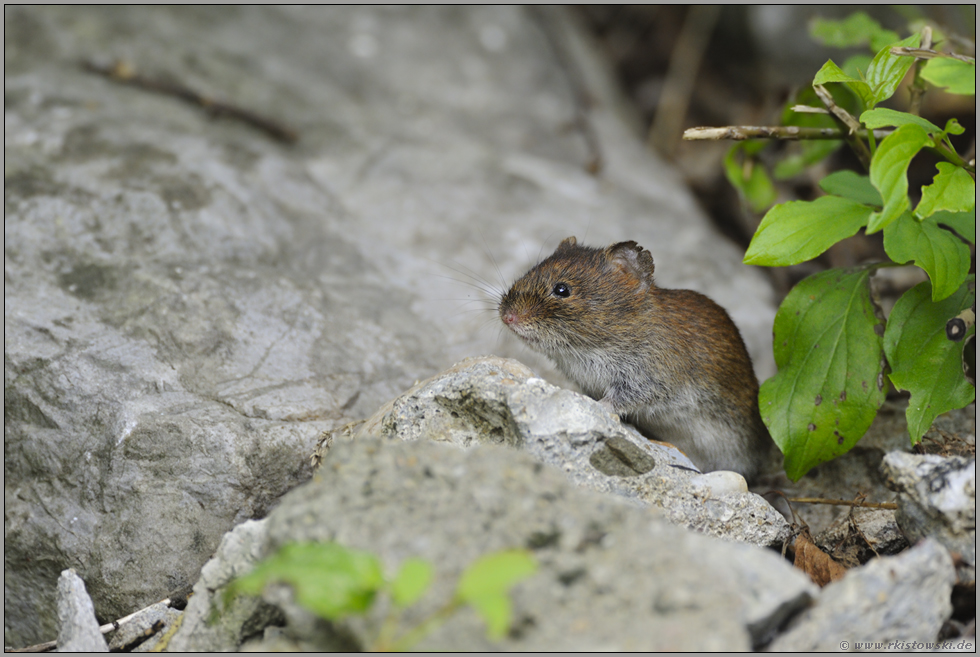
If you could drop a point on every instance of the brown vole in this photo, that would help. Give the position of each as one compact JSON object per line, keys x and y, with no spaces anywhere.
{"x":670,"y":361}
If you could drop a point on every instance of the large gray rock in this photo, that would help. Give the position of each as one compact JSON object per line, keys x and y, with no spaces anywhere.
{"x":188,"y":304}
{"x":491,"y":400}
{"x":611,"y":576}
{"x":904,"y":599}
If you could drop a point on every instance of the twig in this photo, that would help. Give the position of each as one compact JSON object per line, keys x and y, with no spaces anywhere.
{"x":685,"y":60}
{"x":927,"y":53}
{"x":788,"y":132}
{"x":866,"y":505}
{"x":839,"y":112}
{"x":806,"y":109}
{"x":852,"y":124}
{"x":105,"y":629}
{"x":124,"y":73}
{"x":918,"y":87}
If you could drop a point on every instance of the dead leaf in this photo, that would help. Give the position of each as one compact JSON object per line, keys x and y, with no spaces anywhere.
{"x":816,"y":563}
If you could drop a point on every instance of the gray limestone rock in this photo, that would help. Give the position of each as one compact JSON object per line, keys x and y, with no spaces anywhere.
{"x":492,"y":400}
{"x":862,"y":534}
{"x":904,"y":599}
{"x":200,"y":630}
{"x":79,"y":629}
{"x":189,"y":304}
{"x":145,"y":629}
{"x":937,"y":498}
{"x":611,"y":576}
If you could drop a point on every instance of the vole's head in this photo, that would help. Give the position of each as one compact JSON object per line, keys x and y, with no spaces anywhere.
{"x":580,"y":297}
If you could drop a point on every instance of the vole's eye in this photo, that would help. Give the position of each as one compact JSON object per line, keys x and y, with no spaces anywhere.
{"x":561,"y":290}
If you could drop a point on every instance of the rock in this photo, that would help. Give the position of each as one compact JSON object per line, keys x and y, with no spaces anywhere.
{"x":492,"y":400}
{"x":862,"y":534}
{"x":189,"y":304}
{"x":937,"y":498}
{"x":79,"y":629}
{"x":611,"y":576}
{"x":143,"y":631}
{"x":239,"y":550}
{"x":905,"y":598}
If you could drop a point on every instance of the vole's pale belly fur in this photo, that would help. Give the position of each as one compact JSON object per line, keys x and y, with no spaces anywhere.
{"x":684,"y":416}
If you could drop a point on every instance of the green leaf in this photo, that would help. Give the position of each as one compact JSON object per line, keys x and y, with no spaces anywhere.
{"x":855,"y":30}
{"x":495,"y":611}
{"x":883,"y":117}
{"x":411,"y":582}
{"x":798,"y":231}
{"x":831,"y":72}
{"x":854,"y":186}
{"x":888,"y":172}
{"x":831,"y":379}
{"x":957,"y":76}
{"x":953,"y":127}
{"x":495,"y":573}
{"x":964,"y":223}
{"x":887,"y":70}
{"x":328,"y":579}
{"x":749,"y":177}
{"x":923,"y":360}
{"x":940,"y":253}
{"x":485,"y":583}
{"x":953,"y":189}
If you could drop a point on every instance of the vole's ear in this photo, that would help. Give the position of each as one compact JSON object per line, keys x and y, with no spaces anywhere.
{"x":566,"y":244}
{"x":633,"y":259}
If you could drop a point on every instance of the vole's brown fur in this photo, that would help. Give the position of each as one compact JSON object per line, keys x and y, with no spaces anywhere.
{"x":670,"y":361}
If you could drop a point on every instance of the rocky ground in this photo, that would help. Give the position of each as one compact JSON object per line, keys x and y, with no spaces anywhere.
{"x":194,"y":304}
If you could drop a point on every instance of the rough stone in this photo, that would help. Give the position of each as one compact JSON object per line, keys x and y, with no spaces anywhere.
{"x":145,"y":629}
{"x":79,"y":630}
{"x":905,"y":598}
{"x":937,"y":498}
{"x":492,"y":400}
{"x":862,"y":534}
{"x":611,"y":576}
{"x":189,"y":304}
{"x":238,"y":552}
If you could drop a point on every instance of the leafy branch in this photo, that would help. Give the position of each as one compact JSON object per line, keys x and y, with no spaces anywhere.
{"x":835,"y":351}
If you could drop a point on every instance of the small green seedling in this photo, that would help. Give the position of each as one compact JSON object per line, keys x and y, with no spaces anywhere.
{"x":334,"y":582}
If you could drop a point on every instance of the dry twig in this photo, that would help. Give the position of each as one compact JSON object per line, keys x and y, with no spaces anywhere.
{"x":927,"y":53}
{"x":865,"y":505}
{"x":685,"y":61}
{"x":784,"y":132}
{"x":124,"y":73}
{"x":852,"y":124}
{"x":105,"y":629}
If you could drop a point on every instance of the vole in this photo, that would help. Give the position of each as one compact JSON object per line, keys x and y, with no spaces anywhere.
{"x":669,"y":361}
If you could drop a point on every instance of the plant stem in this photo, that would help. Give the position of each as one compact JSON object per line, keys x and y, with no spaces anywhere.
{"x":918,"y":87}
{"x":417,"y":633}
{"x":852,"y":124}
{"x":787,"y":132}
